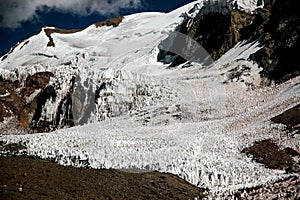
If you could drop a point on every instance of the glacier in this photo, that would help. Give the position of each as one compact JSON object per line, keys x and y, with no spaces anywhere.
{"x":192,"y":122}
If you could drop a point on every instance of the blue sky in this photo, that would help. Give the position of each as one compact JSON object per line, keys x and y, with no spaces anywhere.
{"x":19,"y":19}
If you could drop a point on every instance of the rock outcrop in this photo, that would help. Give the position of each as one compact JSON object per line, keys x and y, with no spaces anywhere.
{"x":24,"y":101}
{"x":110,"y":22}
{"x":276,"y":27}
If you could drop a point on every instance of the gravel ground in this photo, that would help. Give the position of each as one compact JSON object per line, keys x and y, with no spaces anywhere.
{"x":28,"y":178}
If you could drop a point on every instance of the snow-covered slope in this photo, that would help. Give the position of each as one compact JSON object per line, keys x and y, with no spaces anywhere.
{"x":137,"y":35}
{"x":96,"y":55}
{"x":132,"y":111}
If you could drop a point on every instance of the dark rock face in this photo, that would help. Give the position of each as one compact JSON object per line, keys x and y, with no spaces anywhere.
{"x":110,"y":22}
{"x":14,"y":103}
{"x":25,"y":100}
{"x":10,"y":102}
{"x":276,"y":27}
{"x":218,"y":32}
{"x":281,"y":39}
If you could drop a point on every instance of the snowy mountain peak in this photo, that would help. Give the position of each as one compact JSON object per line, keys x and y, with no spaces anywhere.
{"x":148,"y":22}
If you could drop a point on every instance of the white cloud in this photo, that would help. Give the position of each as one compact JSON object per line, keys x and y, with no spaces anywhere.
{"x":13,"y":12}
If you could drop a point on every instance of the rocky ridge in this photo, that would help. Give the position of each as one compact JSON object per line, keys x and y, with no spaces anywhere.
{"x":275,"y":26}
